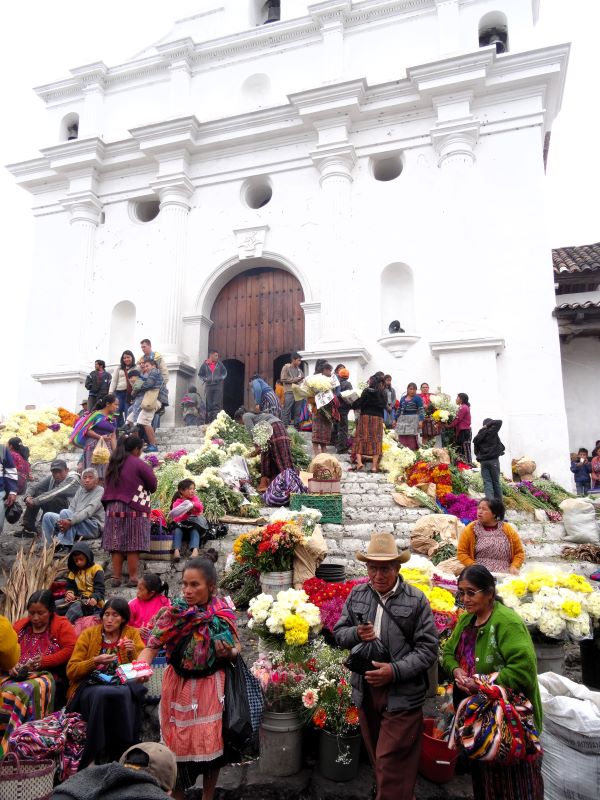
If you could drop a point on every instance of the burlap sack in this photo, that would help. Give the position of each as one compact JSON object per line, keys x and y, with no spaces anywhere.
{"x":405,"y":500}
{"x":451,"y":566}
{"x":308,"y":556}
{"x":325,"y":467}
{"x":441,"y":454}
{"x":433,"y":531}
{"x":524,"y":468}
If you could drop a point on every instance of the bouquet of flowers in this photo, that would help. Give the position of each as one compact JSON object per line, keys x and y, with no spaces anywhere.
{"x":226,"y":431}
{"x":329,"y":598}
{"x":269,"y":549}
{"x":261,"y":434}
{"x":306,"y":518}
{"x":327,"y":694}
{"x":281,"y":681}
{"x":289,"y":620}
{"x":442,"y":407}
{"x":462,"y":506}
{"x":555,"y":604}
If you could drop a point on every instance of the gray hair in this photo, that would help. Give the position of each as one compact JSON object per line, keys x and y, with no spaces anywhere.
{"x":90,"y":471}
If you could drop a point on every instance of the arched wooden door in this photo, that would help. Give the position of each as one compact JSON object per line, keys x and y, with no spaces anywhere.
{"x":257,"y":318}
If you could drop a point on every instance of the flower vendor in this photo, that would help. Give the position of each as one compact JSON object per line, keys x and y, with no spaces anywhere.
{"x":488,"y":449}
{"x":411,"y":415}
{"x":462,"y":426}
{"x":490,"y":541}
{"x":52,"y":493}
{"x":390,"y":696}
{"x":266,"y":401}
{"x":199,"y":634}
{"x":275,"y":453}
{"x":368,"y":437}
{"x":491,"y":638}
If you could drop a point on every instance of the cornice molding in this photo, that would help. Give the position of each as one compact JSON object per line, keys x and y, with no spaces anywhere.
{"x":494,"y":343}
{"x":78,"y":375}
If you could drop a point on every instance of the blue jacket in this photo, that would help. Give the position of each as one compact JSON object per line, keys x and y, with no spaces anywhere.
{"x":259,"y":387}
{"x":581,"y":471}
{"x":8,"y":471}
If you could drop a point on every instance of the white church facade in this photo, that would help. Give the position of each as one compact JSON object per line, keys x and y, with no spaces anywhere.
{"x":273,"y":176}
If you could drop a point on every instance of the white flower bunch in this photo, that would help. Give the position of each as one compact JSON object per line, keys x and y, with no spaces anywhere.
{"x":591,"y":603}
{"x":212,"y":432}
{"x":550,"y":598}
{"x":579,"y":627}
{"x":511,"y":600}
{"x":210,"y":477}
{"x":426,"y":454}
{"x":306,"y":518}
{"x":550,"y":624}
{"x":317,"y":383}
{"x":443,"y":402}
{"x":259,"y":609}
{"x":237,"y":449}
{"x":261,"y":434}
{"x":395,"y":459}
{"x":530,"y":612}
{"x":292,"y":601}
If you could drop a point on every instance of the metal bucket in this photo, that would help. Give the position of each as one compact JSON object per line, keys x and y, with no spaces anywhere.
{"x":432,"y":674}
{"x":273,"y":582}
{"x":550,"y":657}
{"x":339,"y":756}
{"x":280,"y":743}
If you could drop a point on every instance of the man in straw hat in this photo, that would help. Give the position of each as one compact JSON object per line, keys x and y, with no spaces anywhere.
{"x":390,"y":696}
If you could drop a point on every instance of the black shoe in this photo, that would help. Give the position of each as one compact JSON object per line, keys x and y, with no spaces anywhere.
{"x":23,"y":534}
{"x":62,"y":548}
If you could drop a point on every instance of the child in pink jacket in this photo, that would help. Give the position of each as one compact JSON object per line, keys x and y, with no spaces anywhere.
{"x":185,"y":508}
{"x":151,"y":597}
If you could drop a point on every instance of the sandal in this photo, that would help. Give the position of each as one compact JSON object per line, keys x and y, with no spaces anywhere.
{"x":114,"y":582}
{"x":356,"y":468}
{"x":132,"y":583}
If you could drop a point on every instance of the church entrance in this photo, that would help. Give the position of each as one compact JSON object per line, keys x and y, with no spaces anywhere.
{"x":257,"y":323}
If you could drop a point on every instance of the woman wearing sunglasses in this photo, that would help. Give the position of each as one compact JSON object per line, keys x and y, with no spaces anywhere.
{"x":491,"y":638}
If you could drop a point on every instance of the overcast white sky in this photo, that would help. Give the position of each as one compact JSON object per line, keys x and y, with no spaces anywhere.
{"x":43,"y":40}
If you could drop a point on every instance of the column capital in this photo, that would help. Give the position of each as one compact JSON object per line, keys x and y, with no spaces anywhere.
{"x":330,"y":12}
{"x":335,"y":161}
{"x":83,"y":207}
{"x":455,"y":141}
{"x":174,"y":190}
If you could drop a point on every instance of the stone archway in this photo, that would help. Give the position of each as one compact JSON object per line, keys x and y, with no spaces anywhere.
{"x":257,"y":316}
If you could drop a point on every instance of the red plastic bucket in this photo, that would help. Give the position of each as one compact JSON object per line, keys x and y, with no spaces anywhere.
{"x":437,"y":762}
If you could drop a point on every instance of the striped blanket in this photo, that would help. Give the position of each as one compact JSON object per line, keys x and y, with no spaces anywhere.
{"x":21,"y":701}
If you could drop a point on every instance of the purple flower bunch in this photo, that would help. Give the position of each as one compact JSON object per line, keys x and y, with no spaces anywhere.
{"x":461,"y":505}
{"x":152,"y":460}
{"x":55,"y":426}
{"x":529,"y":487}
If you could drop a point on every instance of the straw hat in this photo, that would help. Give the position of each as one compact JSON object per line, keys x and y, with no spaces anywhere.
{"x":382,"y":547}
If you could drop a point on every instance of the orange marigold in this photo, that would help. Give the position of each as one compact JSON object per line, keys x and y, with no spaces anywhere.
{"x":352,"y":716}
{"x":320,"y":718}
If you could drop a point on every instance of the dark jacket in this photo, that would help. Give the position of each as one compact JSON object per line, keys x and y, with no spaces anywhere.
{"x":209,"y":376}
{"x":89,"y":581}
{"x":371,"y":403}
{"x":581,"y":471}
{"x":97,"y":385}
{"x":413,"y":650}
{"x":8,"y":472}
{"x":110,"y":782}
{"x":487,"y":443}
{"x":47,"y":489}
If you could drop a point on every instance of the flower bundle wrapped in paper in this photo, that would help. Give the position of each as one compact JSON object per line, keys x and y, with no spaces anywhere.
{"x":312,"y":386}
{"x":441,"y":407}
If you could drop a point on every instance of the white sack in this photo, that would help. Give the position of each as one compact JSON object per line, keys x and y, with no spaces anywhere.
{"x":579,"y":519}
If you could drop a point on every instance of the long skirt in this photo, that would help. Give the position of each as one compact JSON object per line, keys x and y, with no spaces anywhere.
{"x":21,"y":701}
{"x":113,"y":716}
{"x":411,"y":442}
{"x":368,"y":438}
{"x":88,"y":452}
{"x":321,"y":429}
{"x":278,"y":456}
{"x":521,"y":781}
{"x":269,"y":404}
{"x":125,"y":530}
{"x":191,"y":722}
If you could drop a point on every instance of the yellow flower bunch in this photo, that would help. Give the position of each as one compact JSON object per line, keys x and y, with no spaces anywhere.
{"x":576,"y":583}
{"x":416,"y":577}
{"x":571,"y":608}
{"x":535,"y":584}
{"x":237,"y":545}
{"x":516,"y":587}
{"x":296,"y":630}
{"x":441,"y":599}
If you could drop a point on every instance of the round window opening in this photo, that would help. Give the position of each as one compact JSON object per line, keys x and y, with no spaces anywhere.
{"x":386,"y":168}
{"x":257,"y":192}
{"x":146,"y":210}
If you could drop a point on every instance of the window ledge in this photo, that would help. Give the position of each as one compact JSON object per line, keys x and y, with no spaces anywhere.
{"x":398,"y":343}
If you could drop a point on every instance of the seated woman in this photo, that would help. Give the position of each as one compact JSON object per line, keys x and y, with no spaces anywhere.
{"x":20,"y":457}
{"x":112,"y":711}
{"x":151,"y":596}
{"x":492,"y":638}
{"x":28,"y":690}
{"x":198,"y":632}
{"x":490,"y":541}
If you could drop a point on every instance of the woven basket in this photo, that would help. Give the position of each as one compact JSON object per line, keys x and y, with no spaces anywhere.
{"x":161,"y":544}
{"x":154,"y":685}
{"x":26,"y":780}
{"x":330,"y":505}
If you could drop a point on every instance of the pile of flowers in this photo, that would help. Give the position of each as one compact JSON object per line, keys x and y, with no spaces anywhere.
{"x":225,"y":431}
{"x":462,"y":506}
{"x":176,"y":455}
{"x":329,"y":598}
{"x":395,"y":459}
{"x":305,"y":518}
{"x":441,"y":600}
{"x":423,"y":472}
{"x":289,"y":620}
{"x":44,"y":431}
{"x":327,"y":694}
{"x":269,"y":549}
{"x":555,"y":604}
{"x":441,"y":407}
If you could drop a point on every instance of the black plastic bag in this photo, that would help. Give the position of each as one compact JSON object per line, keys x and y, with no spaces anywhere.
{"x":362,"y":655}
{"x":238,"y":735}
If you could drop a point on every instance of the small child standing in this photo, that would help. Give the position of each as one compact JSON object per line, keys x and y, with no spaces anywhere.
{"x":85,"y":584}
{"x":185,"y":510}
{"x":150,"y":598}
{"x":194,"y":410}
{"x":582,"y":470}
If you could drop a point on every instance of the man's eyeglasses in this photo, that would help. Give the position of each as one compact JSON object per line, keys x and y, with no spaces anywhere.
{"x":372,"y":569}
{"x":468,"y":592}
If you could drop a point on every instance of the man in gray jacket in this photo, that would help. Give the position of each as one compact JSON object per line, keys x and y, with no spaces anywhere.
{"x":52,"y":493}
{"x":83,"y":519}
{"x":390,"y":696}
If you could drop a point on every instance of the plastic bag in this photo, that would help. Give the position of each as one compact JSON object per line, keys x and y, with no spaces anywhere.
{"x":579,"y":519}
{"x":362,"y":655}
{"x":181,"y":509}
{"x":234,"y":471}
{"x":237,"y":720}
{"x":101,"y":454}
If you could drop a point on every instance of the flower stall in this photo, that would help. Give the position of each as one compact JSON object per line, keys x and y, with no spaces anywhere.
{"x":44,"y":431}
{"x":270,"y":551}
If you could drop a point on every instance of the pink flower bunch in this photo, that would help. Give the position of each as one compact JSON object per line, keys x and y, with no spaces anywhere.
{"x":461,"y":506}
{"x":218,"y":442}
{"x":176,"y":455}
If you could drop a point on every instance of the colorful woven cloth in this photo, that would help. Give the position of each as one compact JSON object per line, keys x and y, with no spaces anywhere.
{"x":60,"y":736}
{"x":202,"y":625}
{"x":495,"y":725}
{"x":21,"y":701}
{"x":84,"y":424}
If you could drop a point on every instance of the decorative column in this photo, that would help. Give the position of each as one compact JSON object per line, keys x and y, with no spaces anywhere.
{"x":331,"y":16}
{"x":92,"y":81}
{"x":448,"y":15}
{"x":175,"y":195}
{"x":85,"y":209}
{"x":179,"y":55}
{"x":456,"y":132}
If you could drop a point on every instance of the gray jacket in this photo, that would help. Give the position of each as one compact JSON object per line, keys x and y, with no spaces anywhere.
{"x":47,"y":489}
{"x":110,"y":782}
{"x":413,"y":649}
{"x":88,"y":505}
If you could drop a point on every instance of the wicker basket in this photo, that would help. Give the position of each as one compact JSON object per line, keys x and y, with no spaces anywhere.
{"x":25,"y":780}
{"x":161,"y":543}
{"x":154,"y":685}
{"x":330,"y":505}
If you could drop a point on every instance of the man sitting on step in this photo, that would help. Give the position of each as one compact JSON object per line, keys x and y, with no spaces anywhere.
{"x":52,"y":493}
{"x":83,"y":519}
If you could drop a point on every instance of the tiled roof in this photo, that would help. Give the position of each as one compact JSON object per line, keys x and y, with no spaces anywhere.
{"x":573,"y":260}
{"x":587,"y":306}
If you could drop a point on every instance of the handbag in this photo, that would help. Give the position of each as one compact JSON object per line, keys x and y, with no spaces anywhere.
{"x":407,"y":425}
{"x":362,"y":655}
{"x":20,"y":780}
{"x":495,"y":725}
{"x":242,"y":708}
{"x":149,"y":399}
{"x":13,"y":513}
{"x":154,"y":685}
{"x":101,"y":454}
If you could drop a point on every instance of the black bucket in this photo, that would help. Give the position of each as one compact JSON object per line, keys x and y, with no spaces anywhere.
{"x":590,"y":662}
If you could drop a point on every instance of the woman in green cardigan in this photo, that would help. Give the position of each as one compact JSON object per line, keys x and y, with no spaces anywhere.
{"x":492,"y":638}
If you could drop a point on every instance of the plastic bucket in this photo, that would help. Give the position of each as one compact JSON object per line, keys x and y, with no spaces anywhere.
{"x":273,"y":582}
{"x":436,"y":762}
{"x":550,"y":657}
{"x":280,"y":743}
{"x":338,"y":756}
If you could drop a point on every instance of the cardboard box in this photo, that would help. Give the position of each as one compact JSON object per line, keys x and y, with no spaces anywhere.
{"x":324,"y":487}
